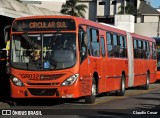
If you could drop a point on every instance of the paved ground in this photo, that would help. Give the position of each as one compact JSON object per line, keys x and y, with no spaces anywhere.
{"x":136,"y":101}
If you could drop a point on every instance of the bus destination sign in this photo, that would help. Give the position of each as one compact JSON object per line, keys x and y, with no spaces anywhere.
{"x":43,"y":25}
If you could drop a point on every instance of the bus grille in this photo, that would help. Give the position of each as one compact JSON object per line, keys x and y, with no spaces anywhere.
{"x":42,"y":92}
{"x":43,"y":84}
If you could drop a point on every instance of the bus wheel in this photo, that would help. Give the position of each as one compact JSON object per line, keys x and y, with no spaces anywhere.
{"x":91,"y":98}
{"x":123,"y":86}
{"x":146,"y":86}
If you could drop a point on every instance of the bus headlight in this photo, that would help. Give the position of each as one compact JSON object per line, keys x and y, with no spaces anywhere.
{"x":16,"y":81}
{"x":70,"y":80}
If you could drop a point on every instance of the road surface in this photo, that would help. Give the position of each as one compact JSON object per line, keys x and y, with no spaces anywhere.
{"x":137,"y":102}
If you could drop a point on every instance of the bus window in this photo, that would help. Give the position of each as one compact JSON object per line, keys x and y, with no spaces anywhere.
{"x":148,"y":51}
{"x":116,"y":47}
{"x":140,"y":48}
{"x":139,"y":44}
{"x":103,"y":47}
{"x":144,"y":49}
{"x":136,"y":52}
{"x":95,"y":43}
{"x":153,"y":51}
{"x":95,"y":35}
{"x":89,"y":41}
{"x":135,"y":44}
{"x":109,"y":45}
{"x":82,"y":35}
{"x":123,"y":51}
{"x":115,"y":42}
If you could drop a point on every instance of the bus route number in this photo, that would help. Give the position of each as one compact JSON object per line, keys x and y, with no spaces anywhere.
{"x":30,"y":76}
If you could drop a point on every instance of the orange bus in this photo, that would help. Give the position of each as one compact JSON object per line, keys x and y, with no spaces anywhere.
{"x":158,"y":57}
{"x":70,"y":57}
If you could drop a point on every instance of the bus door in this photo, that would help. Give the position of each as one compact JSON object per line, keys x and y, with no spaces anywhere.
{"x":85,"y":74}
{"x":102,"y":81}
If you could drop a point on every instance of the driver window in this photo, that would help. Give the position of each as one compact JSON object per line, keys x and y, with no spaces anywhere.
{"x":82,"y":35}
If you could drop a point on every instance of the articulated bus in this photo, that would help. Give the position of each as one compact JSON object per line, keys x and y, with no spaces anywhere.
{"x":70,"y":57}
{"x":158,"y":57}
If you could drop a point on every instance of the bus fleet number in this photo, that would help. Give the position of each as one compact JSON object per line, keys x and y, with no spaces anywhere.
{"x":30,"y":76}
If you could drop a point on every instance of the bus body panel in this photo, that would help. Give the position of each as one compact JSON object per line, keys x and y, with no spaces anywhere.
{"x":109,"y":70}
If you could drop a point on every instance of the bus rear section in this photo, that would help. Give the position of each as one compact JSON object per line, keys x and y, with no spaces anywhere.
{"x":144,"y":60}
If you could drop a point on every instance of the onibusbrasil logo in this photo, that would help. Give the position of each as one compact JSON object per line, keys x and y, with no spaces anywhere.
{"x":21,"y":112}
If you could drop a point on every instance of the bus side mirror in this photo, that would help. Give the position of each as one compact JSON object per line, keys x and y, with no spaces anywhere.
{"x":7,"y":30}
{"x":85,"y":39}
{"x":84,"y":44}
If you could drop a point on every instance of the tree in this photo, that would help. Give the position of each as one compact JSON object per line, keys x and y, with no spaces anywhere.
{"x":71,"y":7}
{"x":148,"y":2}
{"x":19,"y":0}
{"x":129,"y":9}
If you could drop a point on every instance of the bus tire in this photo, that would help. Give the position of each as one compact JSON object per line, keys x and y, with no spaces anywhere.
{"x":122,"y":86}
{"x":91,"y":98}
{"x":146,"y":86}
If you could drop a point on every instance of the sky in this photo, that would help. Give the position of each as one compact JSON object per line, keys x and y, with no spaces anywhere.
{"x":155,"y":3}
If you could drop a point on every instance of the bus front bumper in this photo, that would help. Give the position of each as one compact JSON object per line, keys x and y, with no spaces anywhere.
{"x":45,"y":92}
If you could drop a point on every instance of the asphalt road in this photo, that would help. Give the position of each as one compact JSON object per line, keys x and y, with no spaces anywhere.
{"x":137,"y":102}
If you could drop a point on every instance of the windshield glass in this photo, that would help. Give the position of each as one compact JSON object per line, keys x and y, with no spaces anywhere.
{"x":43,"y":51}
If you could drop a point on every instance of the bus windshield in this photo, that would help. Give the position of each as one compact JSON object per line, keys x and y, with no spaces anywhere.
{"x":52,"y":51}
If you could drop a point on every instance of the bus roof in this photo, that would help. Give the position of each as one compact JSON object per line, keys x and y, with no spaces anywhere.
{"x":79,"y":21}
{"x":157,"y":39}
{"x":88,"y":22}
{"x":142,"y":37}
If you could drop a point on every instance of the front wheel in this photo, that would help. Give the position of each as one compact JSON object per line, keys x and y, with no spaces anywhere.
{"x":122,"y":86}
{"x":91,"y":98}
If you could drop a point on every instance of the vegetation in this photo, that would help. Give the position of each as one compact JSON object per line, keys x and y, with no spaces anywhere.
{"x":129,"y":9}
{"x":18,"y":0}
{"x":71,"y":7}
